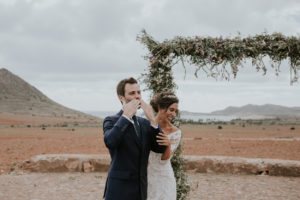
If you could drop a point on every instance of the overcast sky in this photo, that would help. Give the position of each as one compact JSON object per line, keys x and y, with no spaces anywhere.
{"x":76,"y":51}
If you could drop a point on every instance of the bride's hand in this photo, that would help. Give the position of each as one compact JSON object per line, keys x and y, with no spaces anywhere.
{"x":148,"y":112}
{"x":163,"y":140}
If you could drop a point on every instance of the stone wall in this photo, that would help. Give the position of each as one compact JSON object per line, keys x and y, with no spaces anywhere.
{"x":202,"y":164}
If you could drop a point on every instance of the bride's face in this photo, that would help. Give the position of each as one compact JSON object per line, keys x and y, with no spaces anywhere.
{"x":170,"y":112}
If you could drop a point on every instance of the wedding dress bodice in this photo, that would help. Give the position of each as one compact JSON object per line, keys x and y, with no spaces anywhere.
{"x":161,"y":180}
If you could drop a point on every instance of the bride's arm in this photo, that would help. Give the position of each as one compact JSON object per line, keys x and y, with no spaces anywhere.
{"x":167,"y":154}
{"x":164,"y":141}
{"x":171,"y":145}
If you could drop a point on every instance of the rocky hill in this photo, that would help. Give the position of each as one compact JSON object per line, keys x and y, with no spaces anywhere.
{"x":19,"y":97}
{"x":267,"y":110}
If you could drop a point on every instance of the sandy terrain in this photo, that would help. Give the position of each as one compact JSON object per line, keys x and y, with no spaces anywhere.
{"x":21,"y":143}
{"x":90,"y":186}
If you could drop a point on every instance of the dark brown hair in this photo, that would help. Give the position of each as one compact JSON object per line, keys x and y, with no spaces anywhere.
{"x":122,"y":83}
{"x":163,"y":100}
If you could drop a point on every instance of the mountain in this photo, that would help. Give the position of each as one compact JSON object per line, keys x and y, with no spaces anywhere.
{"x":19,"y":97}
{"x":267,"y":110}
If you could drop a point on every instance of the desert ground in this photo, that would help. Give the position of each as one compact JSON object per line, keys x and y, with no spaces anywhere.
{"x":19,"y":143}
{"x":20,"y":140}
{"x":90,"y":186}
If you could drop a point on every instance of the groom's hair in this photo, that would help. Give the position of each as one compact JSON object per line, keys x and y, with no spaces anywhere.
{"x":122,"y":83}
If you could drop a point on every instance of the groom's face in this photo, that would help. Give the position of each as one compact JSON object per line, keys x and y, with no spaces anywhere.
{"x":132,"y":91}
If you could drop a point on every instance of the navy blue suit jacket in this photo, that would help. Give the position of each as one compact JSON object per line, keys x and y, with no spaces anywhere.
{"x":127,"y":176}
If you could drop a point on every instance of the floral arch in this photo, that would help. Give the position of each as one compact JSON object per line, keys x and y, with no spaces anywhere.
{"x":218,"y":58}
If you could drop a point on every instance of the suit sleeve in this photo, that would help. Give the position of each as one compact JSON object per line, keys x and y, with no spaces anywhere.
{"x":154,"y":145}
{"x":114,"y":131}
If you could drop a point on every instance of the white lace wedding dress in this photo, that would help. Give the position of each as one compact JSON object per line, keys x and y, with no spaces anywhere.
{"x":161,"y":180}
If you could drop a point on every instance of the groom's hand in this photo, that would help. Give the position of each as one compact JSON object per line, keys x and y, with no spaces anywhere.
{"x":130,"y":108}
{"x":148,"y":112}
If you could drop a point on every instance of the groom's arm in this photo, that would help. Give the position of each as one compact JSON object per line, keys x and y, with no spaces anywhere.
{"x":154,"y":144}
{"x":114,"y":131}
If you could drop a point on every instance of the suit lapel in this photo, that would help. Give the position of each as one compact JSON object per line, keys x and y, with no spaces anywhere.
{"x":120,"y":113}
{"x":133,"y":134}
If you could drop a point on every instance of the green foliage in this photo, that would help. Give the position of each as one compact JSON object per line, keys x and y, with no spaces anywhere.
{"x":218,"y":58}
{"x":158,"y":79}
{"x":12,"y":168}
{"x":65,"y":124}
{"x":178,"y":162}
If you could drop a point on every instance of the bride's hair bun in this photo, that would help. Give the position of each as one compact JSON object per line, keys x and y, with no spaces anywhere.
{"x":163,"y":100}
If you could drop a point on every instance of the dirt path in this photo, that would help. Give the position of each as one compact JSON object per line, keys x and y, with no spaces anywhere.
{"x":89,"y":186}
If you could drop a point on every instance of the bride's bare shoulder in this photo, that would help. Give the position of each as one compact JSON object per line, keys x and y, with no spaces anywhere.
{"x":174,"y":128}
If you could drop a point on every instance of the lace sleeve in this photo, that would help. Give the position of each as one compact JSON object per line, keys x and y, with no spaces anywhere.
{"x":175,"y":138}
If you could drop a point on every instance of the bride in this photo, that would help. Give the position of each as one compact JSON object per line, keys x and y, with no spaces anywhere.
{"x":161,"y":180}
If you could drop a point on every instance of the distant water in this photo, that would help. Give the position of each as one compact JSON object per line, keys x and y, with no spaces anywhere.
{"x":206,"y":118}
{"x":202,"y":117}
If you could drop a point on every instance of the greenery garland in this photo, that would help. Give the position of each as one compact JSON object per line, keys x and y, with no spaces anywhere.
{"x":218,"y":58}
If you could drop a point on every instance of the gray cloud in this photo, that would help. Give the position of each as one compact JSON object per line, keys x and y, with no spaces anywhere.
{"x":225,"y":18}
{"x":87,"y":46}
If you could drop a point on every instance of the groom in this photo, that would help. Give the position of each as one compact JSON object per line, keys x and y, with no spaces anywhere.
{"x":129,"y":139}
